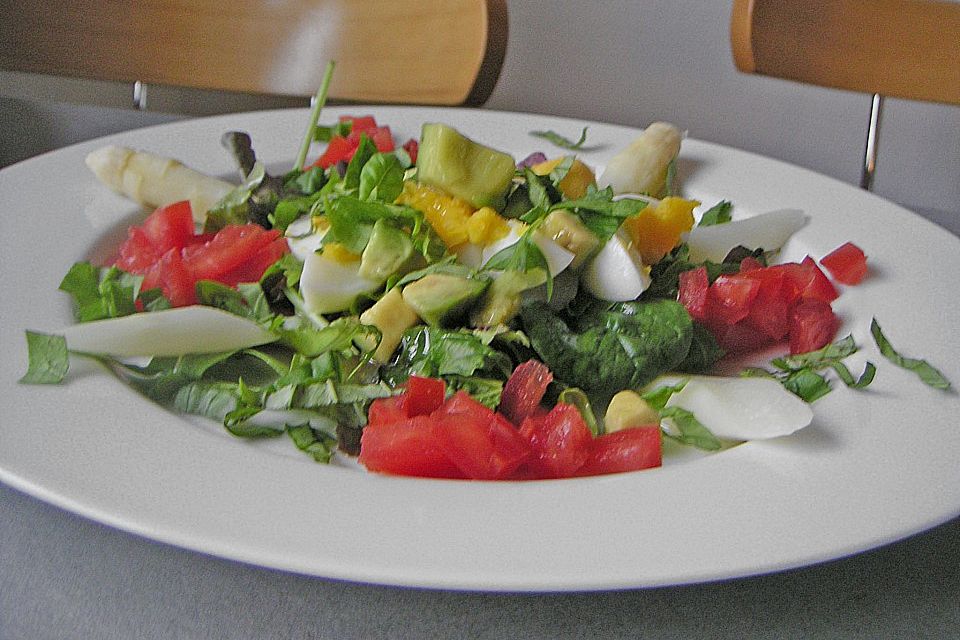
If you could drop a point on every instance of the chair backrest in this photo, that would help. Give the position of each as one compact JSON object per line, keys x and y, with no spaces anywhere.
{"x":899,"y":48}
{"x":436,"y":52}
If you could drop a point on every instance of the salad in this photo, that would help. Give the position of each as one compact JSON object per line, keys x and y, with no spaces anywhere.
{"x":438,"y":308}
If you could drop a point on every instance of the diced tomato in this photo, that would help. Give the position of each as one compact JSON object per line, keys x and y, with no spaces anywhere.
{"x":769,"y":311}
{"x":524,"y":390}
{"x":406,"y":447}
{"x":820,"y":287}
{"x":740,"y":337}
{"x":412,"y":147}
{"x":626,"y":450}
{"x":381,"y":137}
{"x":233,"y":246}
{"x":559,"y":441}
{"x":170,"y":227}
{"x":359,"y":123}
{"x":694,"y":287}
{"x":384,"y":410}
{"x":137,"y":254}
{"x":750,"y":264}
{"x":422,"y":395}
{"x":171,"y":275}
{"x":730,"y":297}
{"x":342,"y":148}
{"x":251,"y":270}
{"x":167,"y":252}
{"x":813,"y":325}
{"x":770,"y":315}
{"x":482,"y":447}
{"x":463,"y":402}
{"x":847,"y":263}
{"x":339,"y":148}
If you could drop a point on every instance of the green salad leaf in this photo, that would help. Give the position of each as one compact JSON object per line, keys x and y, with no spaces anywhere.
{"x":605,"y":350}
{"x":48,"y":359}
{"x":101,"y":293}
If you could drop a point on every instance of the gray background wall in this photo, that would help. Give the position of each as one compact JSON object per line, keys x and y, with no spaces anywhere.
{"x":632,"y":62}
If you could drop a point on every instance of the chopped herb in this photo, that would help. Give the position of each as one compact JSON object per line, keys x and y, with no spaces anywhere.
{"x":717,"y":214}
{"x":926,"y":372}
{"x":801,"y":374}
{"x":561,"y":141}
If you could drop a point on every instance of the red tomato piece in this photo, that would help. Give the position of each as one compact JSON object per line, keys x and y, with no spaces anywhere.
{"x":342,"y":148}
{"x":383,"y":139}
{"x":173,"y":277}
{"x":730,"y":297}
{"x":231,"y":247}
{"x":137,"y":254}
{"x":740,"y":337}
{"x":813,"y":325}
{"x":769,"y":311}
{"x":384,"y":410}
{"x":405,"y":447}
{"x":847,"y":263}
{"x":820,"y":287}
{"x":626,"y":450}
{"x":412,"y":147}
{"x":770,"y":315}
{"x":253,"y":268}
{"x":524,"y":390}
{"x":170,"y":227}
{"x":560,"y":442}
{"x":359,"y":123}
{"x":694,"y":292}
{"x":750,"y":264}
{"x":462,"y":402}
{"x":483,"y":447}
{"x":339,"y":148}
{"x":422,"y":395}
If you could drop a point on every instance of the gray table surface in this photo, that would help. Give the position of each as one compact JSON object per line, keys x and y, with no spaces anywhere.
{"x":62,"y":576}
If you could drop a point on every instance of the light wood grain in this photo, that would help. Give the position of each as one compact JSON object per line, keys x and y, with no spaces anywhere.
{"x":443,"y":52}
{"x":900,"y":48}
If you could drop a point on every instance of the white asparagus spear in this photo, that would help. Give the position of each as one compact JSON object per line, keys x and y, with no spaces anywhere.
{"x":642,"y":166}
{"x":173,"y":332}
{"x":155,"y":181}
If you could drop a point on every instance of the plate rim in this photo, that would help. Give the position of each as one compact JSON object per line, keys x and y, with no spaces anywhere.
{"x":437,"y":579}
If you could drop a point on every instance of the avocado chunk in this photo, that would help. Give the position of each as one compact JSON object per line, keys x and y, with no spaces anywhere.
{"x":501,"y":301}
{"x":448,"y":160}
{"x":389,"y":251}
{"x":628,"y":409}
{"x":392,"y":316}
{"x":569,"y":232}
{"x":442,"y":299}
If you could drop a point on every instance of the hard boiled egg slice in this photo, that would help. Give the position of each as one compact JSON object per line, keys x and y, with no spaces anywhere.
{"x":328,"y":286}
{"x":302,"y":238}
{"x":743,"y":408}
{"x":557,"y":257}
{"x":469,"y":254}
{"x":616,"y":273}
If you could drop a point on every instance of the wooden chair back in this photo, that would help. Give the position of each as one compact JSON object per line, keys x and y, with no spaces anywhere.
{"x":430,"y":52}
{"x":899,"y":48}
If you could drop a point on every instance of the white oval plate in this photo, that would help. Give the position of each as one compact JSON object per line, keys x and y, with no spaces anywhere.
{"x":875,"y":466}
